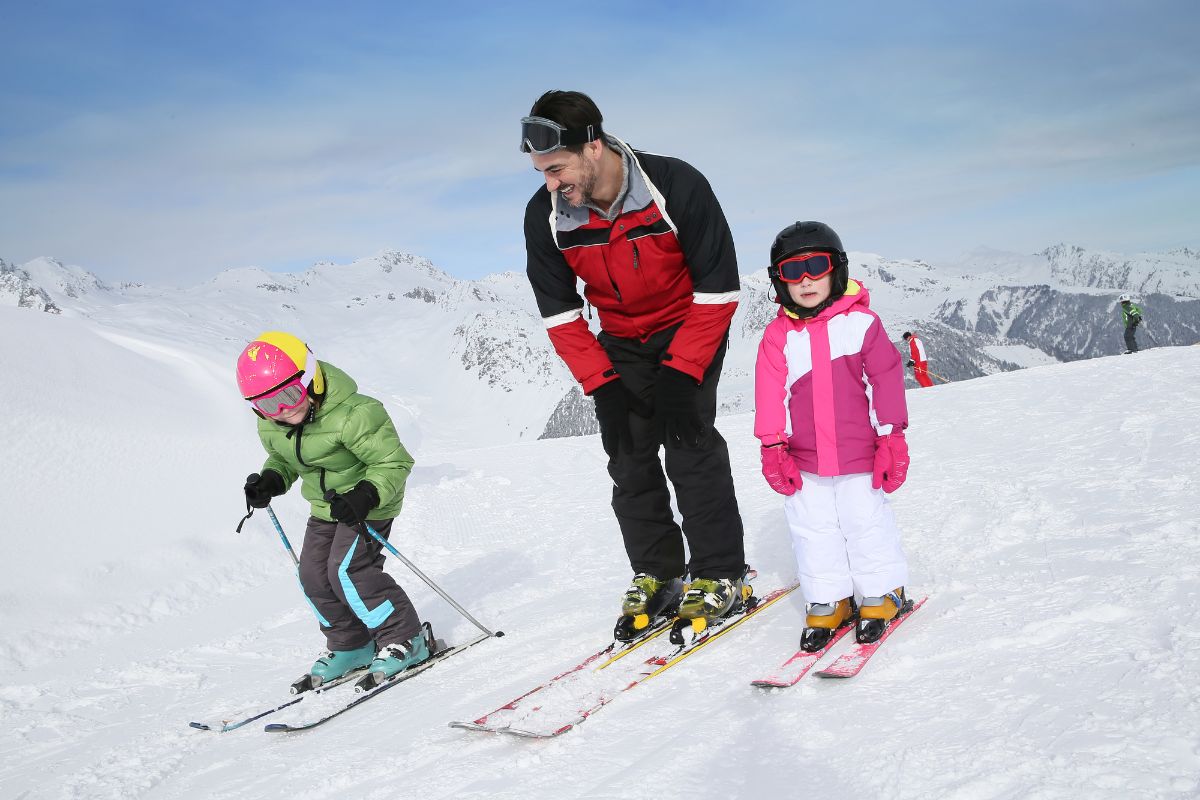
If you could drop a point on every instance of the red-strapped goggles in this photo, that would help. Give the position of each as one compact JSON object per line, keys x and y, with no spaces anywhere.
{"x":282,"y":398}
{"x":810,"y":265}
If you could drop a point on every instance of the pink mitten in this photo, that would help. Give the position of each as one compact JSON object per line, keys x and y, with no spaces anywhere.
{"x":891,"y":462}
{"x":780,"y":470}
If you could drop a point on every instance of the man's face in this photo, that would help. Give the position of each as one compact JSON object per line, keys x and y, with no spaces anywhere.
{"x":572,"y":176}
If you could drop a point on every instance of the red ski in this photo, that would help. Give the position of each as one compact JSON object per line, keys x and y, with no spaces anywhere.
{"x":851,"y":662}
{"x":562,"y":707}
{"x":791,"y":671}
{"x":615,"y":651}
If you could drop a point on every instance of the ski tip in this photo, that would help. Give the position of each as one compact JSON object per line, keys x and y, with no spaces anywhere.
{"x":200,"y":726}
{"x":473,"y":726}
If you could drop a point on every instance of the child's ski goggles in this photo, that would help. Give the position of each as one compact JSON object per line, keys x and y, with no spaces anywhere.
{"x":810,"y":265}
{"x":540,"y":135}
{"x":284,"y":398}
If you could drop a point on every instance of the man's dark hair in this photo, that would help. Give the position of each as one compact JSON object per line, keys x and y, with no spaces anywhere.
{"x":572,"y":110}
{"x":907,"y":335}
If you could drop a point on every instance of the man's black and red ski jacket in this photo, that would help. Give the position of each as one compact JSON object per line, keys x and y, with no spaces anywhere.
{"x":667,"y":258}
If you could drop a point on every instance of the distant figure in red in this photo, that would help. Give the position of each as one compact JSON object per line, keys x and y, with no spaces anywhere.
{"x":917,"y":359}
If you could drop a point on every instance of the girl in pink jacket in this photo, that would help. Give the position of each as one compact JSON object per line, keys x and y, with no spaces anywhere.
{"x":830,"y":414}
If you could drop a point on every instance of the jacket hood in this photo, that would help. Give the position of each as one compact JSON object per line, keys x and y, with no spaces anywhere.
{"x":338,"y":386}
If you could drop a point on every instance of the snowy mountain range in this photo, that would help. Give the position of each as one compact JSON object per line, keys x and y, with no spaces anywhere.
{"x":464,"y":362}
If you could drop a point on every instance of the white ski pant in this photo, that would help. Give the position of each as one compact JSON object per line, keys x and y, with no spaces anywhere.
{"x":845,"y":538}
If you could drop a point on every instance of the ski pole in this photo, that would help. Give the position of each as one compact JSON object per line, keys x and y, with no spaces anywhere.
{"x":287,"y":545}
{"x":427,"y":580}
{"x":928,"y":371}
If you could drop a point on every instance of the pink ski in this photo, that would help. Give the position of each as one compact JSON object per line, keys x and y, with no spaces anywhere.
{"x":791,"y":671}
{"x":851,"y":663}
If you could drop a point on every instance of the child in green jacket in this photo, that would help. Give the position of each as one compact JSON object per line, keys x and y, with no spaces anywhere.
{"x":341,"y":445}
{"x":1131,"y":316}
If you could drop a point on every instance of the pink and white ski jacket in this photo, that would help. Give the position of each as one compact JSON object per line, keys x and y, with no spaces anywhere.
{"x":811,"y":379}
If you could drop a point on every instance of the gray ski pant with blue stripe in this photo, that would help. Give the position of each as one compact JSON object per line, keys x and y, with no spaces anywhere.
{"x":341,"y":571}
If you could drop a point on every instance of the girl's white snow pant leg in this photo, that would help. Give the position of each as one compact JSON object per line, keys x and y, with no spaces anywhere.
{"x":845,"y":538}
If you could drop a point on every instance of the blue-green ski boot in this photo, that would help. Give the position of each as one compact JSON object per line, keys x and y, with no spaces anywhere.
{"x":394,"y":658}
{"x":334,"y":664}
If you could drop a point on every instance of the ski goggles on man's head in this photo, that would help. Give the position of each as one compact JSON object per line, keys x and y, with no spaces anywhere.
{"x":805,"y":265}
{"x":541,"y":136}
{"x":283,"y":398}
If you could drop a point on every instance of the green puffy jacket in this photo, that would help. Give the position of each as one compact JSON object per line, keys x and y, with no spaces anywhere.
{"x":350,"y":438}
{"x":1131,"y":314}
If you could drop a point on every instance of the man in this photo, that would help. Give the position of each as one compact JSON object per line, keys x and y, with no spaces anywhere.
{"x":1131,"y":316}
{"x":647,"y":237}
{"x":917,"y":359}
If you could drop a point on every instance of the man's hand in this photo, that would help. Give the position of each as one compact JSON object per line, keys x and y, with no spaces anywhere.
{"x":614,"y":403}
{"x":677,"y":410}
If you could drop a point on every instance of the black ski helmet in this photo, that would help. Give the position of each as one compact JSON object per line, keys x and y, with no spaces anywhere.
{"x":808,"y":237}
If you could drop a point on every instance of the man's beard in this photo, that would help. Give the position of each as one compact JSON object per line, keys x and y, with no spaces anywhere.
{"x":586,"y":185}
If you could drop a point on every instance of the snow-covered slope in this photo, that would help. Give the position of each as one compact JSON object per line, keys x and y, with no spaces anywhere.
{"x":1049,"y":514}
{"x":462,"y":362}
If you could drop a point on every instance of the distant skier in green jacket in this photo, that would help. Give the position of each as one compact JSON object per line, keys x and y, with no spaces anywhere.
{"x":317,"y":428}
{"x":1131,"y":316}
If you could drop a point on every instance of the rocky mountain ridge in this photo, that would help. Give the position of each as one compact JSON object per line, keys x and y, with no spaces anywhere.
{"x":468,"y":361}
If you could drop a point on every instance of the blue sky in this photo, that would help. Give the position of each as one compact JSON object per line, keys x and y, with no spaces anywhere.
{"x":164,"y":142}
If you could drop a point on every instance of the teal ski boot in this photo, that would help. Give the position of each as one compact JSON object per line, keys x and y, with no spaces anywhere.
{"x":394,"y":658}
{"x":333,"y":665}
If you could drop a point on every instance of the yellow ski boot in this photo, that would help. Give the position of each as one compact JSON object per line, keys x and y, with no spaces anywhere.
{"x":823,"y":619}
{"x":647,"y":598}
{"x":877,"y":612}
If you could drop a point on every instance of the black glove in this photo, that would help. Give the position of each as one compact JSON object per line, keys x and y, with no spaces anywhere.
{"x":352,"y":507}
{"x":909,"y":363}
{"x":677,"y":409}
{"x":261,"y":488}
{"x":614,"y":403}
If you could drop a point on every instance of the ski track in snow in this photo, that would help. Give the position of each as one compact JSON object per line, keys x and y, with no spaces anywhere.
{"x":1049,"y":514}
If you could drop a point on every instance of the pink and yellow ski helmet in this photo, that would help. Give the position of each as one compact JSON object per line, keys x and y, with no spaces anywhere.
{"x":273,"y":359}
